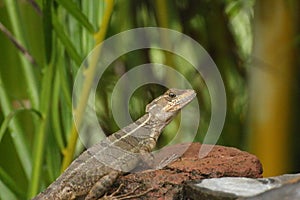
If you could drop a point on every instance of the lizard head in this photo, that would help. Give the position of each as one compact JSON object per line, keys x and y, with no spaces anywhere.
{"x":166,"y":106}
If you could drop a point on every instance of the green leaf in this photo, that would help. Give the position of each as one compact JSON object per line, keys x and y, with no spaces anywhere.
{"x":76,"y":12}
{"x":59,"y":30}
{"x":40,"y":136}
{"x":55,"y":111}
{"x":11,"y":184}
{"x":15,"y":128}
{"x":53,"y":159}
{"x":18,"y":31}
{"x":47,"y":25}
{"x":8,"y":118}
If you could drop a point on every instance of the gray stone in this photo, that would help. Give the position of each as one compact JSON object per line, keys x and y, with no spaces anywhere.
{"x":273,"y":188}
{"x":239,"y":186}
{"x":289,"y":190}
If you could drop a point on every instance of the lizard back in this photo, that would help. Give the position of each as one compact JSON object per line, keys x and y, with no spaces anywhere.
{"x":97,"y":168}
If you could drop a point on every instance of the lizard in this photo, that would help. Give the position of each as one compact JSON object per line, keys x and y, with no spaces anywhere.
{"x":90,"y":175}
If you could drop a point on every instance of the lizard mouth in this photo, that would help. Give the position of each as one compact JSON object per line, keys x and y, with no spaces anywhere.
{"x":187,"y":98}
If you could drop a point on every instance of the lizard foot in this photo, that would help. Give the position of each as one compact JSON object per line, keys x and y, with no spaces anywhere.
{"x":164,"y":162}
{"x":129,"y":195}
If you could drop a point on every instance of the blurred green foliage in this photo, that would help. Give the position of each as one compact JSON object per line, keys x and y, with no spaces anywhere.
{"x":59,"y":34}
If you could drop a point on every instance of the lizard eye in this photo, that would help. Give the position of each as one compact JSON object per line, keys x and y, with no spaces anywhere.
{"x":172,"y":95}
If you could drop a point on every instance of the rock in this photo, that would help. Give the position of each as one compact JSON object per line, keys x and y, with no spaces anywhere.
{"x":289,"y":189}
{"x":273,"y":188}
{"x":220,"y":162}
{"x":167,"y":183}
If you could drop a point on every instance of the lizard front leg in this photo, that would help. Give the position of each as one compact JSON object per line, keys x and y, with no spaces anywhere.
{"x":148,"y":158}
{"x":102,"y":185}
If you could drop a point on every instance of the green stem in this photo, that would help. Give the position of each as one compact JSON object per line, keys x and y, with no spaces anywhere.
{"x":11,"y":184}
{"x":16,"y":23}
{"x":16,"y":130}
{"x":162,"y":13}
{"x":55,"y":112}
{"x":39,"y":140}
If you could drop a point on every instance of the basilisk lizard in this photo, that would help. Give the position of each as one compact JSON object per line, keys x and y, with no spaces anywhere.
{"x":95,"y":170}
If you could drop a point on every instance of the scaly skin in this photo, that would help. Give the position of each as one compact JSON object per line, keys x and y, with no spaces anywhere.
{"x":95,"y":170}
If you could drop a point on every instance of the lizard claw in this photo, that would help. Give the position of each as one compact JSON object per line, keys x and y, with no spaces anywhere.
{"x":164,"y":162}
{"x":129,"y":195}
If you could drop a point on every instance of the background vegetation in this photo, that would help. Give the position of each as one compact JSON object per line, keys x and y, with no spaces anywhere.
{"x":43,"y":42}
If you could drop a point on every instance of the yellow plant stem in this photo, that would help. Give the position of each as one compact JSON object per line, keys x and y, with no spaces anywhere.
{"x":270,"y":86}
{"x":162,"y":17}
{"x":89,"y":77}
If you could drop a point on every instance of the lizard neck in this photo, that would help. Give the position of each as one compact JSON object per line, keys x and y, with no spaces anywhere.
{"x":146,"y":127}
{"x":153,"y":121}
{"x":150,"y":125}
